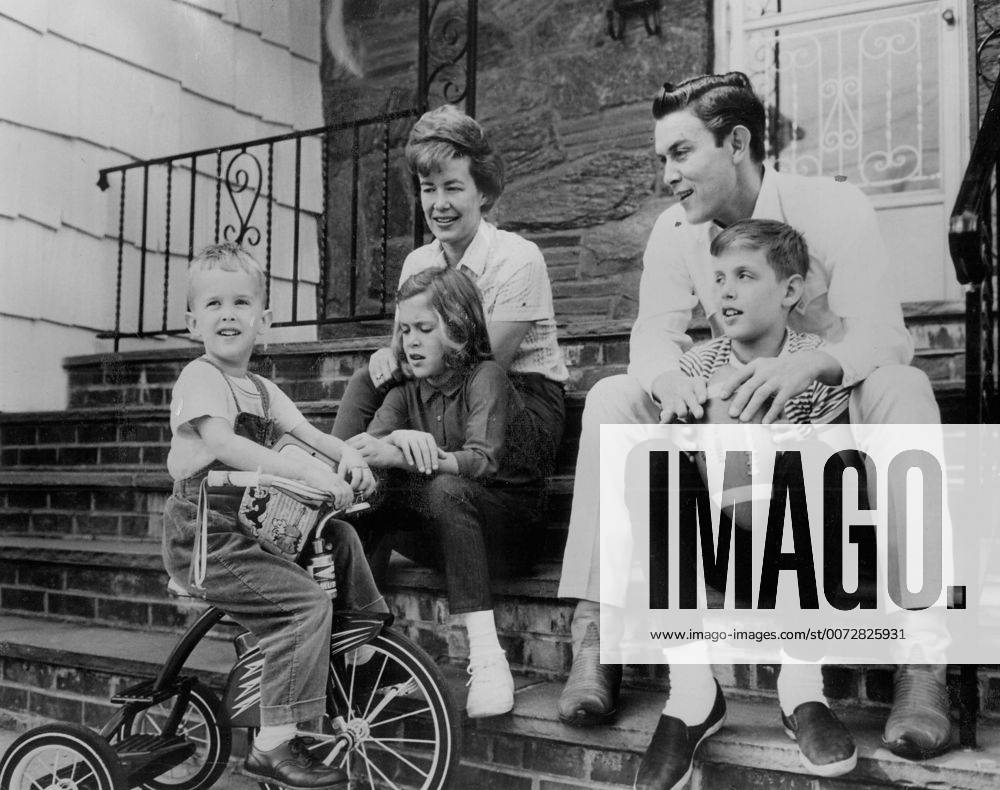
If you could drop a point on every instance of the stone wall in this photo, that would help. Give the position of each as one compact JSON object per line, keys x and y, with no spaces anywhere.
{"x":569,"y":109}
{"x":987,"y":20}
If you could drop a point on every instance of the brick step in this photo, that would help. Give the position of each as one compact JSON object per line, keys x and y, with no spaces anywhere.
{"x":110,"y":438}
{"x":66,"y":672}
{"x":109,"y":582}
{"x":60,"y":502}
{"x":138,"y":437}
{"x":125,"y":505}
{"x":313,"y":372}
{"x":593,"y":344}
{"x":532,"y":750}
{"x":123,"y":585}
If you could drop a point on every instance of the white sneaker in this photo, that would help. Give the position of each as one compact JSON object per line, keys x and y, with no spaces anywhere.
{"x":491,"y":687}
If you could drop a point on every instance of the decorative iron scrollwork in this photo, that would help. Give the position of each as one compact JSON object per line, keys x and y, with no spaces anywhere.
{"x":619,"y":11}
{"x":238,"y":181}
{"x":449,"y":46}
{"x":987,"y":21}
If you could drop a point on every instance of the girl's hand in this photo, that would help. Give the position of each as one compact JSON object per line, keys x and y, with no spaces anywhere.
{"x":352,"y":467}
{"x":419,"y":449}
{"x":382,"y":366}
{"x":375,"y":452}
{"x":328,"y":480}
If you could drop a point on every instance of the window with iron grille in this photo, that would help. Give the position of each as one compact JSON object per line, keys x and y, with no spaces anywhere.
{"x":876,"y":91}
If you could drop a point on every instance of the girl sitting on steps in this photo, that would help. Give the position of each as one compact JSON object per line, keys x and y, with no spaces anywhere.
{"x":464,"y":492}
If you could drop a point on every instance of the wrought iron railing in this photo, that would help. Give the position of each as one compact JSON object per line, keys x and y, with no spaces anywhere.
{"x":314,"y":206}
{"x":972,"y":240}
{"x":275,"y":196}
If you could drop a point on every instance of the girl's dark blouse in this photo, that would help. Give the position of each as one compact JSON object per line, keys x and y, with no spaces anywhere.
{"x":475,"y":414}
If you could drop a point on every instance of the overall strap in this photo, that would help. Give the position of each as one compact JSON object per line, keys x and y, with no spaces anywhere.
{"x":265,"y":399}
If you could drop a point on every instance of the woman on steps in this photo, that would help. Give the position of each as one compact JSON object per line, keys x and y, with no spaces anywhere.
{"x":461,"y":178}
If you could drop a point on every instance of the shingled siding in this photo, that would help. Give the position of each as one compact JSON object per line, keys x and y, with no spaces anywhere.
{"x":103,"y":83}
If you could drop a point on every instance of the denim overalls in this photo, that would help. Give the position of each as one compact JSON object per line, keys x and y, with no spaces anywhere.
{"x":274,"y":599}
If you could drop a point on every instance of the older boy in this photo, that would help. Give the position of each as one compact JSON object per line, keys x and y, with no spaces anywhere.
{"x":758,"y":276}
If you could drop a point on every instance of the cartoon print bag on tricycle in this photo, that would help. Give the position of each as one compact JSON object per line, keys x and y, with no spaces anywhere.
{"x":280,"y":519}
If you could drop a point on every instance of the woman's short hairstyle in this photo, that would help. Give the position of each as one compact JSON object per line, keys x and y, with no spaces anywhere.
{"x":446,"y":133}
{"x":459,"y":305}
{"x":721,"y":102}
{"x":230,"y":257}
{"x":783,"y":246}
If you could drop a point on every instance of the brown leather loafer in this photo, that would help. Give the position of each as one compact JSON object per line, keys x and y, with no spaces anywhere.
{"x":590,"y":695}
{"x":826,"y":748}
{"x":293,"y":766}
{"x":919,"y":725}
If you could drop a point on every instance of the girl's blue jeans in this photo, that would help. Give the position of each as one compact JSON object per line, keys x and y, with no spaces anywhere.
{"x":471,"y":532}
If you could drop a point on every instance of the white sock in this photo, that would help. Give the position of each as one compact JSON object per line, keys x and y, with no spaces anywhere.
{"x":268,"y":738}
{"x":692,"y":685}
{"x":482,"y":630}
{"x":798,"y":682}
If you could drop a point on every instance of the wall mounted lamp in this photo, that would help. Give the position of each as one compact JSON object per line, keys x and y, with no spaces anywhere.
{"x":620,"y":10}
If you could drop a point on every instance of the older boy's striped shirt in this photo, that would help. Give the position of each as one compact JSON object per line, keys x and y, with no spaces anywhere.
{"x":818,"y":403}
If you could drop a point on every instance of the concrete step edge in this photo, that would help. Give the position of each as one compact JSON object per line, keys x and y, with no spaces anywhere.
{"x":107,"y":648}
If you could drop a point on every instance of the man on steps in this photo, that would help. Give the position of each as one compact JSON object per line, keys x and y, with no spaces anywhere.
{"x":709,"y":134}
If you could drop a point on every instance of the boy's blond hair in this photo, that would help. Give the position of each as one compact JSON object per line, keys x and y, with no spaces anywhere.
{"x":230,"y":257}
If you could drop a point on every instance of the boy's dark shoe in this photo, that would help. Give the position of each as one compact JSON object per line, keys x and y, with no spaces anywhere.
{"x":590,"y":695}
{"x":919,"y":725}
{"x":669,"y":758}
{"x":826,"y":748}
{"x":293,"y":766}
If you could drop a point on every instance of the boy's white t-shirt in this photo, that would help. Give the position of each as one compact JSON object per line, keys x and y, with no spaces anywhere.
{"x":202,"y":391}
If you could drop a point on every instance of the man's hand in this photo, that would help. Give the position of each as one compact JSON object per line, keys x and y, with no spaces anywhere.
{"x":375,"y":452}
{"x":679,"y":396}
{"x":419,"y":449}
{"x":381,"y":366}
{"x":770,"y":381}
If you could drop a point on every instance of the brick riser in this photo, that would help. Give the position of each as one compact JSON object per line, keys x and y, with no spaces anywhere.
{"x":128,"y":590}
{"x":35,"y":688}
{"x":125,"y":440}
{"x":306,"y":372}
{"x":317,"y":373}
{"x":113,"y":506}
{"x":128,"y":597}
